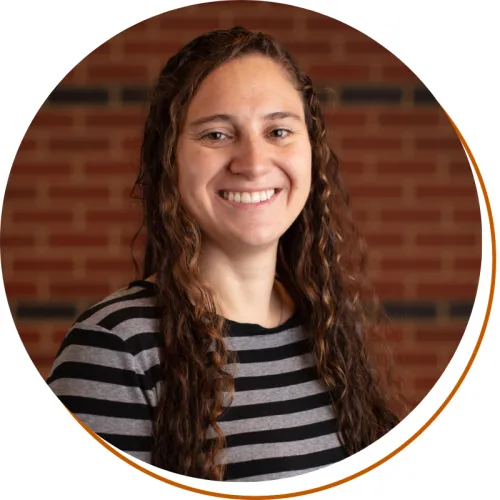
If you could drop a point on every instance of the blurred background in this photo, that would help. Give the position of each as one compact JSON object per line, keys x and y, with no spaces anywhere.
{"x":68,"y":219}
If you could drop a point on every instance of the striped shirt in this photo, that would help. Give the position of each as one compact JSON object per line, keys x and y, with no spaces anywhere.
{"x":279,"y":424}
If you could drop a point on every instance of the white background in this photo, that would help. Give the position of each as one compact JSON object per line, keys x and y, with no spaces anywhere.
{"x":453,"y":47}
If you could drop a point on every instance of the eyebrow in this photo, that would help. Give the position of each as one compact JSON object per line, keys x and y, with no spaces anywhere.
{"x":277,"y":115}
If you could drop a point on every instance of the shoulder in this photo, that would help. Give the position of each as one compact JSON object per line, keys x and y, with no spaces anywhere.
{"x":120,"y":331}
{"x":107,"y":369}
{"x":124,"y":312}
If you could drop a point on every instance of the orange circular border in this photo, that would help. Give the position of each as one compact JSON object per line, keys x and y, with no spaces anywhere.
{"x":408,"y":441}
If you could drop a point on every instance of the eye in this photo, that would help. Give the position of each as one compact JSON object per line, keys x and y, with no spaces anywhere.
{"x":279,"y":133}
{"x":214,"y":136}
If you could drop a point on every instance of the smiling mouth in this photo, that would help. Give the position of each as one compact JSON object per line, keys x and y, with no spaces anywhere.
{"x":249,"y":198}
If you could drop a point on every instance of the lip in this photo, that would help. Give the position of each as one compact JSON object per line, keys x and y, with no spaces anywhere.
{"x":249,"y":206}
{"x":248,"y":190}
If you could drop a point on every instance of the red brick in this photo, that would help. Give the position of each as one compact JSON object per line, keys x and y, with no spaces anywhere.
{"x":407,"y":118}
{"x":351,"y":167}
{"x":401,"y":215}
{"x":127,"y":192}
{"x":181,"y":24}
{"x":28,"y":145}
{"x":446,"y":240}
{"x":378,"y":191}
{"x":393,"y":333}
{"x":327,"y":24}
{"x":141,"y":28}
{"x":440,"y":333}
{"x":389,"y":289}
{"x":42,"y":216}
{"x":112,"y":216}
{"x":79,"y":289}
{"x":110,"y":169}
{"x":447,"y":290}
{"x":378,"y":239}
{"x":114,"y":119}
{"x":14,"y":193}
{"x":364,"y":47}
{"x":342,"y":118}
{"x":117,"y":265}
{"x":132,"y":144}
{"x":371,"y":143}
{"x":425,"y":383}
{"x":70,"y":77}
{"x":42,"y":169}
{"x":43,"y":363}
{"x":116,"y":72}
{"x":58,"y":335}
{"x":416,"y":358}
{"x":52,"y":119}
{"x":406,"y":167}
{"x":263,"y":24}
{"x":448,"y":191}
{"x":78,"y":144}
{"x":78,"y":193}
{"x":470,"y":264}
{"x":102,"y":50}
{"x":399,"y":73}
{"x":438,"y":144}
{"x":20,"y":290}
{"x":29,"y":335}
{"x":17,"y":241}
{"x":338,"y":72}
{"x":77,"y":240}
{"x":126,"y":240}
{"x":460,"y":168}
{"x":467,"y":216}
{"x":410,"y":264}
{"x":360,"y":215}
{"x":151,"y":48}
{"x":20,"y":265}
{"x":308,"y":48}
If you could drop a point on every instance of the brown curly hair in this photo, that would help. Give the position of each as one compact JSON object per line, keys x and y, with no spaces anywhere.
{"x":321,"y":263}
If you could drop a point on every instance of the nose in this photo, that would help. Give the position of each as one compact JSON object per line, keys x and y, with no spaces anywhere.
{"x":251,"y":157}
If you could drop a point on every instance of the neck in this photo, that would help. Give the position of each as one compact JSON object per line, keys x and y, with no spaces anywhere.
{"x":244,"y":285}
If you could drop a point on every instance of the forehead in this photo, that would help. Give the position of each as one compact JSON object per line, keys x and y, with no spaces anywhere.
{"x":251,"y":83}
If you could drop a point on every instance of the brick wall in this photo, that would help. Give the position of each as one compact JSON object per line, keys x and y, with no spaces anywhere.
{"x":68,"y":219}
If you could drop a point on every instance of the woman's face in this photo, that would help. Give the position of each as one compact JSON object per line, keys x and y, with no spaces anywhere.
{"x":243,"y":155}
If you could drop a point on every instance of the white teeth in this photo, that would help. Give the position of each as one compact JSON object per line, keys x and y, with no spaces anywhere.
{"x":245,"y":197}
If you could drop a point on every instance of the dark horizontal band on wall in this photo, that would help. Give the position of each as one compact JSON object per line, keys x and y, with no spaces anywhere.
{"x":420,"y":310}
{"x":423,"y":96}
{"x":347,"y":94}
{"x":460,"y":309}
{"x":397,"y":310}
{"x":45,"y":311}
{"x":79,"y":95}
{"x":368,"y":95}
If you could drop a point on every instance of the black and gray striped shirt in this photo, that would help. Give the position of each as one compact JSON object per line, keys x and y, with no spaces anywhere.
{"x":279,"y":424}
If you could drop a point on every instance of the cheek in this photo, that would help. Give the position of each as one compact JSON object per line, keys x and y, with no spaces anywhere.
{"x":300,"y":170}
{"x":196,"y":171}
{"x":190,"y":170}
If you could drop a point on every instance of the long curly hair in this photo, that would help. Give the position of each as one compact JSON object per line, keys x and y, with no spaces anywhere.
{"x":321,"y":262}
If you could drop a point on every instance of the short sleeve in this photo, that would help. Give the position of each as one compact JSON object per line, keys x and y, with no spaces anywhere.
{"x":98,"y":380}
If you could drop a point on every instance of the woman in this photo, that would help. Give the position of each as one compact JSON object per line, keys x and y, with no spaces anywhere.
{"x":242,"y":354}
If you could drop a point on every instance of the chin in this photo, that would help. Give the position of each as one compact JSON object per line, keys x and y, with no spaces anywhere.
{"x":256,"y":240}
